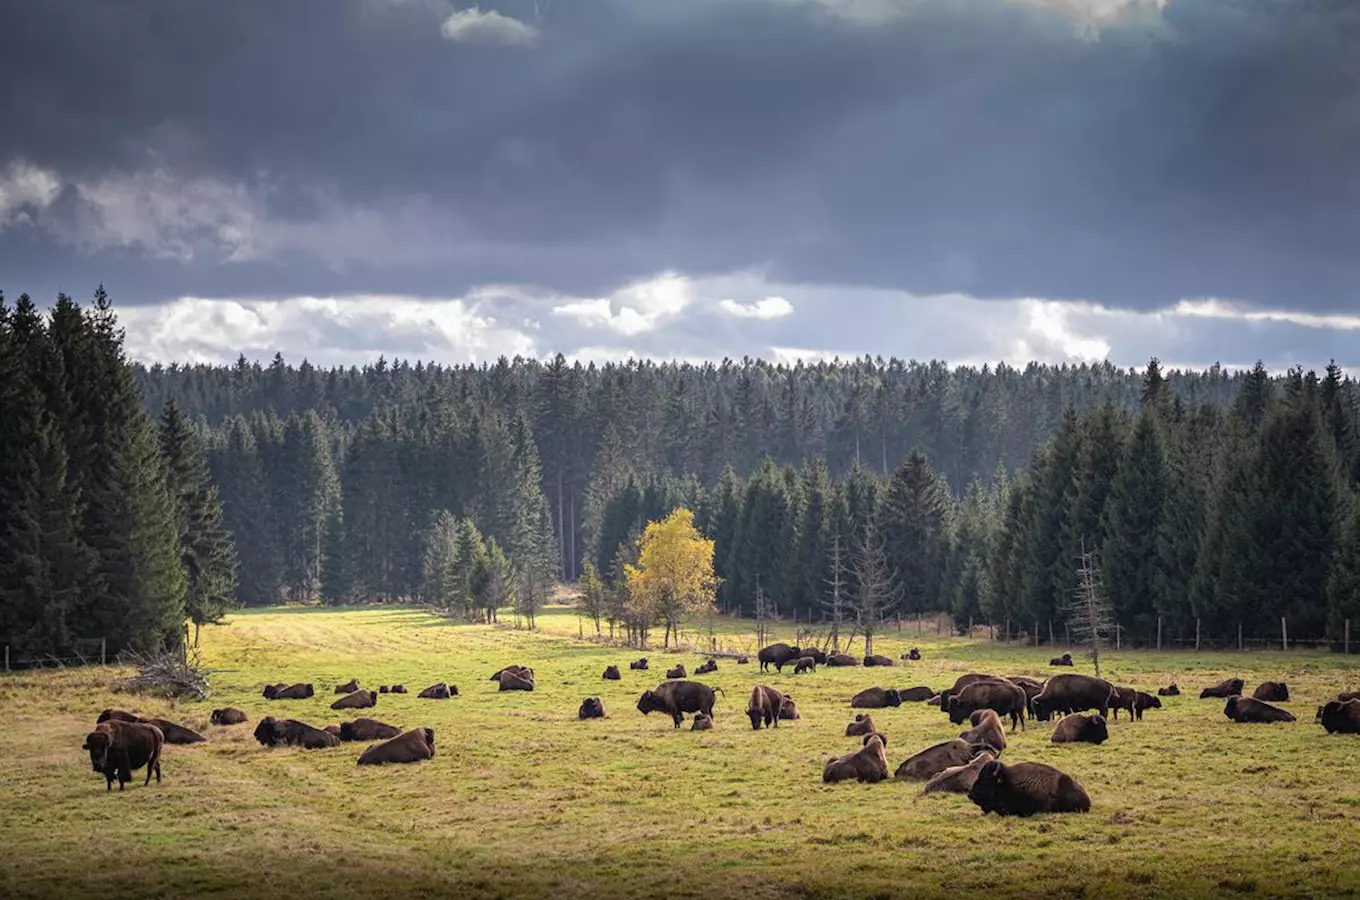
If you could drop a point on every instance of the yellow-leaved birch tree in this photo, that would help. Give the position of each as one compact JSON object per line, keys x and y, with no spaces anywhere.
{"x":674,"y":574}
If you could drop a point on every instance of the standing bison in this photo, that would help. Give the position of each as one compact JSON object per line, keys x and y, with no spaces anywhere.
{"x":868,"y":764}
{"x":1144,"y":701}
{"x":1025,"y":789}
{"x":777,"y":655}
{"x":1004,"y":697}
{"x":1245,"y":709}
{"x":118,"y":748}
{"x":1222,"y":690}
{"x":675,"y":698}
{"x":806,"y":664}
{"x":1069,"y":694}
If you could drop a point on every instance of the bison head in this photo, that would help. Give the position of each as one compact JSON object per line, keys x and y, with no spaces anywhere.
{"x":986,"y":790}
{"x":98,"y":743}
{"x":875,"y":735}
{"x":957,"y":711}
{"x":429,"y":736}
{"x":347,"y":731}
{"x":650,"y":701}
{"x":267,"y":732}
{"x":894,"y":697}
{"x":1096,"y":730}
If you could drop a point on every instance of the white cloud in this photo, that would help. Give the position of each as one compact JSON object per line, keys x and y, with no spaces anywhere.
{"x":768,"y":308}
{"x":23,"y":185}
{"x":636,"y":309}
{"x":1049,"y":334}
{"x":790,"y":355}
{"x":473,"y":26}
{"x":1219,"y":309}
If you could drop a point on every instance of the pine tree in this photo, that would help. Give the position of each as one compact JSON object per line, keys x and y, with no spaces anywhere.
{"x":337,"y":568}
{"x":246,"y":513}
{"x":969,"y":551}
{"x":593,"y":595}
{"x":1343,"y":582}
{"x":1132,"y":523}
{"x":439,"y":562}
{"x":914,"y":521}
{"x":310,"y":493}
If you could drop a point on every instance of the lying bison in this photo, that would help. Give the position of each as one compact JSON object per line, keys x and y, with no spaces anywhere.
{"x":300,"y":691}
{"x":986,"y":731}
{"x":876,"y":698}
{"x":934,"y":760}
{"x":841,"y":659}
{"x":1271,"y":691}
{"x":877,"y":660}
{"x":1245,"y":709}
{"x":868,"y":764}
{"x":118,"y":715}
{"x":348,"y":687}
{"x":1144,"y":701}
{"x":743,"y":660}
{"x":413,"y":746}
{"x":959,"y":779}
{"x":1079,"y":729}
{"x":401,"y":689}
{"x":702,"y":723}
{"x":812,"y":653}
{"x":767,"y":707}
{"x":863,"y":724}
{"x":1006,"y":698}
{"x":171,"y":732}
{"x":1069,"y":694}
{"x":913,"y":654}
{"x":367,"y":730}
{"x":438,"y":691}
{"x":1064,"y":660}
{"x":382,"y":689}
{"x":272,"y":732}
{"x":915,"y":694}
{"x":1222,"y":690}
{"x":677,"y":672}
{"x":675,"y":698}
{"x":777,"y":655}
{"x":705,"y":668}
{"x":516,"y":681}
{"x":522,"y":671}
{"x":806,"y":664}
{"x":611,"y":673}
{"x":118,"y":748}
{"x":359,"y":699}
{"x":788,"y":710}
{"x":1170,"y":690}
{"x":1341,"y":716}
{"x":228,"y":716}
{"x":639,"y":665}
{"x":1025,"y":789}
{"x":591,"y":708}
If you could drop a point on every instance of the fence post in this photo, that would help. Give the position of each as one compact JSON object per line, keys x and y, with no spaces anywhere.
{"x":1284,"y":633}
{"x":1197,"y":633}
{"x":1159,"y":633}
{"x":1067,"y":634}
{"x":1347,"y":645}
{"x":103,"y":648}
{"x":970,"y":627}
{"x":1118,"y":634}
{"x":1006,"y":638}
{"x":1036,"y":632}
{"x":1239,"y":637}
{"x":7,"y":650}
{"x":1050,"y":631}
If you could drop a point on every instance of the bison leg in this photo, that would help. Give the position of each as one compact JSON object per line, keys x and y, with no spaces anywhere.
{"x":678,"y":717}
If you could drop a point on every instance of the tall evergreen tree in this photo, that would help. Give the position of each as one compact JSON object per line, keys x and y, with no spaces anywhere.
{"x":914,"y":520}
{"x":246,"y":512}
{"x":1133,"y":521}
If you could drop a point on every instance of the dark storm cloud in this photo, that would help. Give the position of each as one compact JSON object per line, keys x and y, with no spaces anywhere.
{"x":981,"y":146}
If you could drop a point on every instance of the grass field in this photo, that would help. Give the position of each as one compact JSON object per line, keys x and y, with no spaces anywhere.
{"x":523,"y":800}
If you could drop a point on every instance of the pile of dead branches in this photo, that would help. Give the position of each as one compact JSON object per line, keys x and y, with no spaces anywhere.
{"x":172,"y":673}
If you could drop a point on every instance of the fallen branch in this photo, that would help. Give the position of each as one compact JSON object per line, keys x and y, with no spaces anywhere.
{"x":172,"y":673}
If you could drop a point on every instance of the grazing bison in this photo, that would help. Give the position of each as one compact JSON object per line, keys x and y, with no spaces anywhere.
{"x":118,"y":748}
{"x":1064,"y":660}
{"x":360,"y":699}
{"x":611,"y":673}
{"x":877,"y":660}
{"x":1069,"y":694}
{"x":675,"y":698}
{"x":1170,"y":690}
{"x":959,"y":779}
{"x":1245,"y":709}
{"x":1124,"y":698}
{"x":986,"y":731}
{"x":1025,"y":789}
{"x":704,"y":669}
{"x":401,"y":689}
{"x":1272,"y":691}
{"x":1341,"y":716}
{"x":841,"y":659}
{"x":272,"y":732}
{"x":228,"y":716}
{"x":806,"y":664}
{"x":702,"y":723}
{"x":348,"y":687}
{"x":934,"y":760}
{"x":863,"y":724}
{"x":764,"y":707}
{"x":677,"y":672}
{"x":367,"y":730}
{"x":876,"y":698}
{"x":1005,"y":698}
{"x":869,"y":764}
{"x":639,"y":665}
{"x":1144,"y":701}
{"x":1079,"y":729}
{"x":918,"y":694}
{"x":1222,"y":690}
{"x":516,"y":681}
{"x":413,"y":746}
{"x":522,"y":671}
{"x":817,"y":656}
{"x":440,"y":691}
{"x":591,"y":708}
{"x":300,"y":691}
{"x":777,"y":655}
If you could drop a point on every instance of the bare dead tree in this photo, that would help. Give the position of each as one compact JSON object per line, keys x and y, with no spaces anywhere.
{"x":762,"y":615}
{"x":835,"y":602}
{"x":880,"y":593}
{"x":1089,"y":613}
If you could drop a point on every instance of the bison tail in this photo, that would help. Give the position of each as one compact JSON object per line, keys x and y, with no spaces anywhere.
{"x":721,"y":691}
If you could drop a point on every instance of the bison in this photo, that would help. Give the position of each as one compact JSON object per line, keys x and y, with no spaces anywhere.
{"x":743,"y":660}
{"x":788,"y":710}
{"x":1272,"y":691}
{"x":863,"y":724}
{"x":1005,"y":698}
{"x":986,"y":731}
{"x":272,"y":732}
{"x":812,"y":653}
{"x":401,"y":689}
{"x":438,"y":691}
{"x":228,"y":716}
{"x":1144,"y":701}
{"x":677,"y":672}
{"x":777,"y":655}
{"x":876,"y":698}
{"x":915,"y":694}
{"x":702,"y":723}
{"x":959,"y":779}
{"x":367,"y":730}
{"x":172,"y":733}
{"x":360,"y":699}
{"x":522,"y":671}
{"x":1025,"y":789}
{"x":841,"y":659}
{"x":516,"y":681}
{"x":639,"y":665}
{"x":675,"y":698}
{"x":300,"y":691}
{"x":1222,"y":690}
{"x":1031,"y":687}
{"x":1246,"y":709}
{"x":591,"y":708}
{"x":611,"y":673}
{"x":1125,"y":698}
{"x":118,"y":748}
{"x":705,"y":668}
{"x":877,"y":660}
{"x":332,"y":729}
{"x":382,"y":689}
{"x":913,"y":654}
{"x":867,"y":764}
{"x":413,"y":746}
{"x":934,"y":760}
{"x":806,"y":664}
{"x":348,"y":687}
{"x":1069,"y":694}
{"x":764,"y":707}
{"x":1170,"y":690}
{"x":1079,"y":729}
{"x":1064,"y":660}
{"x":118,"y":715}
{"x":1341,"y":716}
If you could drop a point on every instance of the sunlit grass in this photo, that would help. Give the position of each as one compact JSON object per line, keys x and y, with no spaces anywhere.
{"x":524,"y":800}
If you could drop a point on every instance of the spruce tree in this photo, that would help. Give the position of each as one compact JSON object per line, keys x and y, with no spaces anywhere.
{"x":914,"y":521}
{"x":1132,"y":522}
{"x":337,"y":568}
{"x":1343,"y":582}
{"x":247,"y":514}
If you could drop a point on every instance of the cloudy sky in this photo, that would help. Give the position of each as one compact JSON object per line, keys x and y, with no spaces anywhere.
{"x":970,"y":180}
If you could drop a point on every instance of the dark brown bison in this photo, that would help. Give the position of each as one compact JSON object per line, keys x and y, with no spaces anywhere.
{"x":777,"y":655}
{"x":934,"y":760}
{"x":348,"y":687}
{"x":171,"y":732}
{"x":806,"y":664}
{"x":332,"y":729}
{"x":1125,"y":698}
{"x":273,"y":732}
{"x":639,"y":665}
{"x":522,"y":671}
{"x":913,"y":654}
{"x":1348,"y":695}
{"x":675,"y":698}
{"x":1223,"y":689}
{"x":118,"y":715}
{"x":841,"y":659}
{"x":705,"y":668}
{"x":877,"y":734}
{"x":1064,"y":660}
{"x":1025,"y":789}
{"x":812,"y":653}
{"x":1245,"y":709}
{"x":413,"y":746}
{"x":1070,"y":693}
{"x":742,"y":661}
{"x":401,"y":689}
{"x":915,"y":694}
{"x":367,"y":730}
{"x":877,"y":660}
{"x":228,"y":716}
{"x":863,"y":724}
{"x":1079,"y":729}
{"x":360,"y":699}
{"x":1005,"y":698}
{"x":1170,"y":690}
{"x":876,"y":698}
{"x":788,"y":710}
{"x":1271,"y":691}
{"x":300,"y":691}
{"x":677,"y":672}
{"x":382,"y":689}
{"x":1032,"y":689}
{"x":869,"y":764}
{"x":439,"y":691}
{"x":611,"y":673}
{"x":591,"y":708}
{"x":959,"y":779}
{"x":1341,"y":716}
{"x":1144,"y":701}
{"x":515,"y":681}
{"x":764,"y":707}
{"x":118,"y":748}
{"x":702,"y":723}
{"x":987,"y":731}
{"x":959,"y":684}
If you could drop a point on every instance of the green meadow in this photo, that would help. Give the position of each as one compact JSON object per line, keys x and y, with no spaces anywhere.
{"x":524,"y":800}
